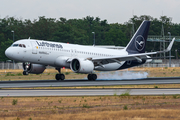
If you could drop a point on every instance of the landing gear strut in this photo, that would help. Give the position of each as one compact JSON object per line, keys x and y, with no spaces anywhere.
{"x":59,"y":76}
{"x":92,"y":77}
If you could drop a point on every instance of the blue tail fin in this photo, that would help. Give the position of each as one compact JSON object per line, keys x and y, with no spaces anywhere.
{"x":137,"y":43}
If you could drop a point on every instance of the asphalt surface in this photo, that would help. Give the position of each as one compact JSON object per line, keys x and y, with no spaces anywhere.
{"x":75,"y":83}
{"x":88,"y":92}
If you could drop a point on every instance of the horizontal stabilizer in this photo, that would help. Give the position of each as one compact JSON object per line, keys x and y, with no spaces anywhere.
{"x":161,"y":57}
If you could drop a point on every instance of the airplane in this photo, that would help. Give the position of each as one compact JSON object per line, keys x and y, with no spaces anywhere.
{"x":37,"y":54}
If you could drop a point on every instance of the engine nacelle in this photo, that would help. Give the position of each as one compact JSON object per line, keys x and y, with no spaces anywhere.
{"x":81,"y":66}
{"x":34,"y":68}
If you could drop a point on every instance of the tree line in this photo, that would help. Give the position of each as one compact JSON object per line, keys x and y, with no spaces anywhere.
{"x":79,"y":31}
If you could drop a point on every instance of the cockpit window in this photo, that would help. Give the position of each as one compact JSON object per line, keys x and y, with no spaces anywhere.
{"x":19,"y":45}
{"x":15,"y":45}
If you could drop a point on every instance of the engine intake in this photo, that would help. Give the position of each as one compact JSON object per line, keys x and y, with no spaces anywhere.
{"x":33,"y":68}
{"x":81,"y":66}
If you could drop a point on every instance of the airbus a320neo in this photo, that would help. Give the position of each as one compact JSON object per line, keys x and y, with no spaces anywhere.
{"x":37,"y":54}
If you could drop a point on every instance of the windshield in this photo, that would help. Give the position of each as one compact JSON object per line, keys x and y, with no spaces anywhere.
{"x":18,"y":45}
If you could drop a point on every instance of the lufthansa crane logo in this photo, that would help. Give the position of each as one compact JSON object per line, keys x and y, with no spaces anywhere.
{"x":139,"y":43}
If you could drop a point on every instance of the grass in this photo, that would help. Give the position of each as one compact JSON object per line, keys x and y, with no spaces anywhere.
{"x":19,"y":74}
{"x":86,"y":106}
{"x":175,"y":96}
{"x":125,"y":107}
{"x":14,"y":102}
{"x":125,"y":94}
{"x":67,"y":73}
{"x":115,"y":94}
{"x":59,"y":101}
{"x":9,"y":74}
{"x":94,"y":107}
{"x":49,"y":74}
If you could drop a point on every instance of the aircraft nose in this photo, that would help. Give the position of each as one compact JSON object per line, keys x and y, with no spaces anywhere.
{"x":8,"y":52}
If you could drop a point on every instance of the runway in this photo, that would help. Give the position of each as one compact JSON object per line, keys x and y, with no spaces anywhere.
{"x":88,"y":92}
{"x":75,"y":83}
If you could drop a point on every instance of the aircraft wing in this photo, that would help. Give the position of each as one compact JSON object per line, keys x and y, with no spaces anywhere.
{"x":139,"y":57}
{"x":108,"y":46}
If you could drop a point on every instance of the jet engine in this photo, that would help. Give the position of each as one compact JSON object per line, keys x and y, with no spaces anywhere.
{"x":81,"y":66}
{"x":33,"y":68}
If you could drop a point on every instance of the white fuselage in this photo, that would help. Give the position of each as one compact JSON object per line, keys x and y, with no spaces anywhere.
{"x":56,"y":53}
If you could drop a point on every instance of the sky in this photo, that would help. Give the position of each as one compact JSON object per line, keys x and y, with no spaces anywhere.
{"x":114,"y":11}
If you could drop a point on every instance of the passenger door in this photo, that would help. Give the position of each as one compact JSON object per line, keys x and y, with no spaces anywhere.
{"x":34,"y":47}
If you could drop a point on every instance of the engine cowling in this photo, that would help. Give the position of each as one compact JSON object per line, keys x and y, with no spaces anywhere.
{"x":81,"y":66}
{"x":34,"y":68}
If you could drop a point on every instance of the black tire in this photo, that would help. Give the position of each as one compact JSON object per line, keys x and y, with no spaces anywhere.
{"x":25,"y":73}
{"x":89,"y":76}
{"x":62,"y":76}
{"x":94,"y":77}
{"x":57,"y":77}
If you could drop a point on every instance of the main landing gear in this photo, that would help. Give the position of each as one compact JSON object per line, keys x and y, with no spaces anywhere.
{"x":59,"y":76}
{"x":92,"y":77}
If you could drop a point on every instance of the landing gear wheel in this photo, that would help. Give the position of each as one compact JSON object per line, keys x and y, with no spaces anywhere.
{"x":92,"y":77}
{"x":60,"y":77}
{"x":89,"y":76}
{"x":57,"y":77}
{"x":25,"y":73}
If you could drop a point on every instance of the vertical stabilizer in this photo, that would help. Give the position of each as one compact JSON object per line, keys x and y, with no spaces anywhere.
{"x":137,"y":43}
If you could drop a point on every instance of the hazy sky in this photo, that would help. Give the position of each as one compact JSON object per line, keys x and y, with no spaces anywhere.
{"x":112,"y":10}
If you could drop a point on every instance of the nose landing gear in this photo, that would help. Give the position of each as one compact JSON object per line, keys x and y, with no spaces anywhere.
{"x":26,"y":66}
{"x":25,"y":73}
